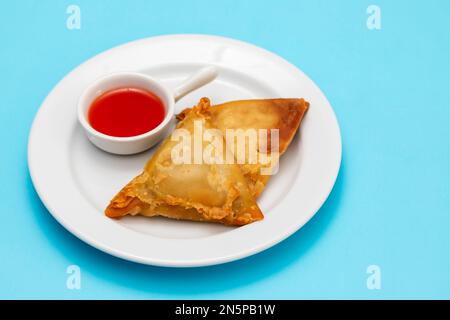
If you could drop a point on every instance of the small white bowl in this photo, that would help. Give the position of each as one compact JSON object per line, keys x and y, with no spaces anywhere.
{"x":139,"y":143}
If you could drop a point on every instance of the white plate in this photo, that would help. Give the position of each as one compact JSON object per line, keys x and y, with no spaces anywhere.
{"x":75,"y":180}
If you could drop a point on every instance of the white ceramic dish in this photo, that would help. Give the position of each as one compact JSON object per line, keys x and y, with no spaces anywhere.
{"x":116,"y":80}
{"x":75,"y":180}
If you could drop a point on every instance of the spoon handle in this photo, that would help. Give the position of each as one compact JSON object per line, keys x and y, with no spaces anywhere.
{"x":195,"y":81}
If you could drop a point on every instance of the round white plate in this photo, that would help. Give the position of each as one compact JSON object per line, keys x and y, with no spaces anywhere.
{"x":75,"y":180}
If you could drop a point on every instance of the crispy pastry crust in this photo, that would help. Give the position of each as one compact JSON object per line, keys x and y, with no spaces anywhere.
{"x":283,"y":114}
{"x":145,"y":194}
{"x":142,"y":197}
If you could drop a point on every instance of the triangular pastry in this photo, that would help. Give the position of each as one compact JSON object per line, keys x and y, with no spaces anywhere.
{"x":282,"y":114}
{"x":197,"y":191}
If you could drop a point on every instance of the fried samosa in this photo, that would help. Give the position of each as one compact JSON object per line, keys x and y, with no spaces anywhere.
{"x":282,"y":114}
{"x":188,"y":191}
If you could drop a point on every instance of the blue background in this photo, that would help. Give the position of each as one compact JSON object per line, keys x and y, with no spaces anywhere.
{"x":390,"y":89}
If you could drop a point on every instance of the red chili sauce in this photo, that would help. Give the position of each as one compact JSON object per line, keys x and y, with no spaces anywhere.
{"x":126,"y":112}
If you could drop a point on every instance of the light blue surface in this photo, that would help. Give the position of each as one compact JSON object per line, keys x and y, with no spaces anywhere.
{"x":390,"y":89}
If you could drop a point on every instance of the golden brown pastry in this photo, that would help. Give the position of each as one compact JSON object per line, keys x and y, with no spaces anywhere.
{"x":201,"y":192}
{"x":282,"y":114}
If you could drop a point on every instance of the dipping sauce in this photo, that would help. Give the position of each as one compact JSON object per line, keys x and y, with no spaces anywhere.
{"x":126,"y":112}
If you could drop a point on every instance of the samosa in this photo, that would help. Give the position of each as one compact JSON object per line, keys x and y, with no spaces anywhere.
{"x":189,"y":191}
{"x":284,"y":115}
